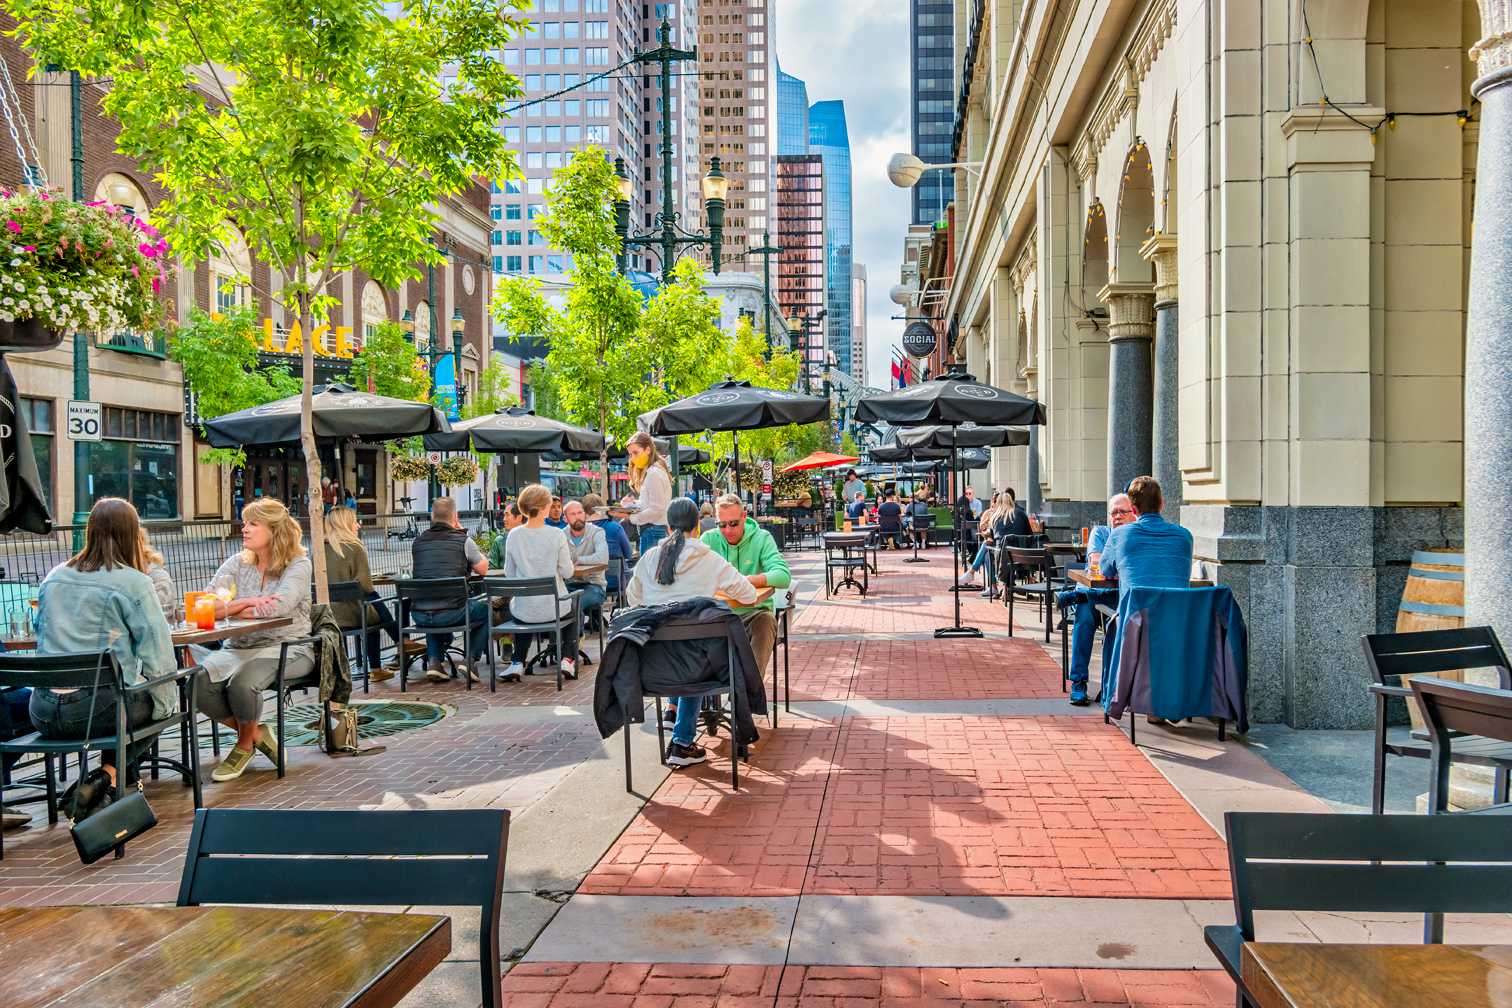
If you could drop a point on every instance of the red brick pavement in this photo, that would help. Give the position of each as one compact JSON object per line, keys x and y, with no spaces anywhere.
{"x":1003,"y":668}
{"x":449,"y":764}
{"x":680,"y":985}
{"x":923,"y":806}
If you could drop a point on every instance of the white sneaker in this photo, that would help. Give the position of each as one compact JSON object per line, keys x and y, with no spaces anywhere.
{"x":569,"y":669}
{"x":515,"y":669}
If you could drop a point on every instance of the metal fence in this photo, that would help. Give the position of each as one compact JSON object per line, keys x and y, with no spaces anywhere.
{"x":193,"y":550}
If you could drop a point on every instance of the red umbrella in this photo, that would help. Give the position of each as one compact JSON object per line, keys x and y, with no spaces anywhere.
{"x":821,"y":460}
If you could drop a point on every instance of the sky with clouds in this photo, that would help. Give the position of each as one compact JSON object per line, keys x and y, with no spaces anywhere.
{"x":857,"y":51}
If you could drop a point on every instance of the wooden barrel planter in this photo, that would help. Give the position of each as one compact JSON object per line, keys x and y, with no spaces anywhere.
{"x":1434,"y":599}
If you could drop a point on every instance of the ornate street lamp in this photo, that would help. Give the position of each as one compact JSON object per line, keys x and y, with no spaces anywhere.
{"x":715,"y":186}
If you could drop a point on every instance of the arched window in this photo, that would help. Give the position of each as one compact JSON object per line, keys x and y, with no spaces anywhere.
{"x":122,"y":191}
{"x":1136,"y":217}
{"x":1168,"y":208}
{"x":1095,"y":253}
{"x":230,"y":269}
{"x":375,"y":309}
{"x":422,"y":326}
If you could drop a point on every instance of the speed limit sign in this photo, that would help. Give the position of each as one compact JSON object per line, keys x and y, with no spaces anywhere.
{"x":83,"y":420}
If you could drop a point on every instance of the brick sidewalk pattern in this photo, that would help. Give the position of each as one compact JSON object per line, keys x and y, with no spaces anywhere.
{"x":922,"y":670}
{"x":673,"y":985}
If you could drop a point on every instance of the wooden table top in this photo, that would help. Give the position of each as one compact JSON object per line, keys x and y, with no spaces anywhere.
{"x":116,"y":956}
{"x":762,"y":594}
{"x":1285,"y":975}
{"x":1080,"y":577}
{"x":236,"y":628}
{"x":1075,"y":549}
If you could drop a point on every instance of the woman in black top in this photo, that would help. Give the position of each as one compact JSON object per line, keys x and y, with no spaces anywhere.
{"x":890,"y":519}
{"x":918,"y":507}
{"x":1013,"y":520}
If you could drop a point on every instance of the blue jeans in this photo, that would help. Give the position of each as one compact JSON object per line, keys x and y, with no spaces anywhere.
{"x":651,"y":535}
{"x":686,"y":728}
{"x":436,"y":644}
{"x":593,"y":595}
{"x":983,"y":559}
{"x":1082,"y":631}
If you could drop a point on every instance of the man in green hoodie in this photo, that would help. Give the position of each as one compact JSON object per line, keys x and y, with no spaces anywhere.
{"x":752,"y":551}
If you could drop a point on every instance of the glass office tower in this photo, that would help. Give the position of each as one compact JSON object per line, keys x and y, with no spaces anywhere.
{"x":933,"y":112}
{"x":828,"y":138}
{"x":792,"y":114}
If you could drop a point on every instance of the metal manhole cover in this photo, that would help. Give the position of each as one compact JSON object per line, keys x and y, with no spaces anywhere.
{"x":374,"y":720}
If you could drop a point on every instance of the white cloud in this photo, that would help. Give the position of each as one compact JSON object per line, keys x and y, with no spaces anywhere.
{"x":857,"y":51}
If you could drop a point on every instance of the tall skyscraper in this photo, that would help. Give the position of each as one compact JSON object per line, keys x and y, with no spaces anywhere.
{"x":733,"y":53}
{"x":792,"y":114}
{"x":829,"y":139}
{"x":801,"y":289}
{"x":933,"y":75}
{"x":858,"y":322}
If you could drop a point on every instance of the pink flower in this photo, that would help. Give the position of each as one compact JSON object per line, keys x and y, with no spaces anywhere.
{"x":135,"y":272}
{"x":150,"y":251}
{"x":156,"y":285}
{"x":13,"y":226}
{"x":27,"y":248}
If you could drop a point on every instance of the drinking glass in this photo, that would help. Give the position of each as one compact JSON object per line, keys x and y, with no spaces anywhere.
{"x":15,"y":622}
{"x":225,"y":590}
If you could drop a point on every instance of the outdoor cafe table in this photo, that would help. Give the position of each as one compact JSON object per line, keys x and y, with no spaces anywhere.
{"x":1287,"y":975}
{"x":120,"y":956}
{"x":1081,"y":578}
{"x":236,"y":628}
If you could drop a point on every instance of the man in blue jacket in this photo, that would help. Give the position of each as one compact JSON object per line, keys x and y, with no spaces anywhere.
{"x":1084,"y":628}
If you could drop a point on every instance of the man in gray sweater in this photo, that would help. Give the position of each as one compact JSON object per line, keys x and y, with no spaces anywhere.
{"x":589,"y":547}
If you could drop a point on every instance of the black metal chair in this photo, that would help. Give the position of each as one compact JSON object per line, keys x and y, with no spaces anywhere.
{"x":82,"y":670}
{"x":846,"y":562}
{"x":1463,"y":720}
{"x":1292,"y":861}
{"x":434,"y":589}
{"x":1425,"y":653}
{"x":784,"y":617}
{"x":1040,"y":564}
{"x":685,"y":631}
{"x":296,"y":857}
{"x":508,"y":588}
{"x":351,"y":591}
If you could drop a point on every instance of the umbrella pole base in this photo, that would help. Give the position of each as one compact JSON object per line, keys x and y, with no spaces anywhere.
{"x":958,"y":631}
{"x":915,"y":560}
{"x":968,"y":586}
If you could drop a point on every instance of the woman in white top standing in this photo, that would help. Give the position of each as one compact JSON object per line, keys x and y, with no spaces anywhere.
{"x":652,"y":480}
{"x":536,"y":550}
{"x":674,"y":570}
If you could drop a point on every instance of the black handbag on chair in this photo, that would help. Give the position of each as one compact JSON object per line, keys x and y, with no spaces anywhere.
{"x":117,"y":821}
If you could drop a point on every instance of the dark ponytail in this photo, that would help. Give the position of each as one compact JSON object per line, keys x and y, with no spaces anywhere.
{"x":682,"y":518}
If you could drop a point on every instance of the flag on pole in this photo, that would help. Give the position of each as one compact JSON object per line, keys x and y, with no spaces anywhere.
{"x":897,"y":374}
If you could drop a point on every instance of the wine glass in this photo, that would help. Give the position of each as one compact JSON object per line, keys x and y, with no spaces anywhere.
{"x":224,"y":588}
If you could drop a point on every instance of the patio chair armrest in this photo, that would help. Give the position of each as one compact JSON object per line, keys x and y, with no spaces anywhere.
{"x":283,"y":652}
{"x":1385,"y":691}
{"x":183,"y":673}
{"x":1225,"y":941}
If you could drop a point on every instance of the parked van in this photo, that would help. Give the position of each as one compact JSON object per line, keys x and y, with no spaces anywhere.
{"x":568,"y":486}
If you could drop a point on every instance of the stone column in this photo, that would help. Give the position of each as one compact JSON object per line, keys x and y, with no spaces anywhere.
{"x":1165,"y":444}
{"x":1131,"y":330}
{"x":1488,"y":336}
{"x":1034,"y":498}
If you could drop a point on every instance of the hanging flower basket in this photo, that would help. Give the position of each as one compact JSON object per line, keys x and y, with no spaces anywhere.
{"x":70,"y":266}
{"x":405,"y":468}
{"x":459,"y":470}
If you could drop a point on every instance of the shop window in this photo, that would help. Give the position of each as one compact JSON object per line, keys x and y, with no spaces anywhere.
{"x":38,"y":414}
{"x":137,"y":460}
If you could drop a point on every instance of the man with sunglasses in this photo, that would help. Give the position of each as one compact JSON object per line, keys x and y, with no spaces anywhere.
{"x":753,"y":552}
{"x":1084,"y":628}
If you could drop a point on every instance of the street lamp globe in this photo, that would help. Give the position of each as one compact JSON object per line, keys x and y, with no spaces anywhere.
{"x":903,"y":170}
{"x":458,"y":324}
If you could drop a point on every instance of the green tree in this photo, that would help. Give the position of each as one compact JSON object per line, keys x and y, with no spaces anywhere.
{"x":741,"y":357}
{"x":544,"y":391}
{"x":219,"y":356}
{"x":325,"y":129}
{"x":388,"y":365}
{"x":613,"y":354}
{"x":493,"y":395}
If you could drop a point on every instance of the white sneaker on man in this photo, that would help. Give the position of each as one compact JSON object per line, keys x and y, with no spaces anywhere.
{"x":512,"y":674}
{"x":569,"y":669}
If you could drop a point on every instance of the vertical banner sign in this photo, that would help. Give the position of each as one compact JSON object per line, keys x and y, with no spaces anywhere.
{"x":766,"y":475}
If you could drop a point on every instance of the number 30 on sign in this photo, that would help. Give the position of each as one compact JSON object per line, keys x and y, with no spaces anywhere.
{"x":83,"y":420}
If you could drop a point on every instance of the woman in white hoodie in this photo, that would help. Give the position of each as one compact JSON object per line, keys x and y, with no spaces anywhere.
{"x":678,"y":568}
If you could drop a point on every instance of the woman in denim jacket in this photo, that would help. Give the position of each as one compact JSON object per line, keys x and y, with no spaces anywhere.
{"x":102,"y":599}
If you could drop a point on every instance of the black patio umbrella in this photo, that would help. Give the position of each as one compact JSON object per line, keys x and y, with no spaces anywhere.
{"x":969,"y":458}
{"x":967,"y":435}
{"x":514,"y":430}
{"x":337,"y":412}
{"x":735,"y":406}
{"x":951,"y":400}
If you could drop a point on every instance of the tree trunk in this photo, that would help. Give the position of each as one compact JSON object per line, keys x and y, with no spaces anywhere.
{"x":604,"y":451}
{"x":311,"y":453}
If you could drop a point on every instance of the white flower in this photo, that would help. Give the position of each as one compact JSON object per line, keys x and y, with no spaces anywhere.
{"x":15,"y":262}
